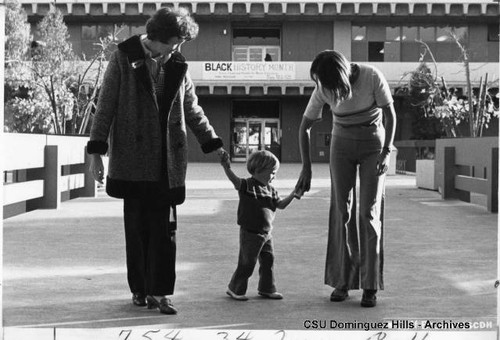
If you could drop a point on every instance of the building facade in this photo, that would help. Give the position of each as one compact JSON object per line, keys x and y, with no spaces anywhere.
{"x":250,"y":62}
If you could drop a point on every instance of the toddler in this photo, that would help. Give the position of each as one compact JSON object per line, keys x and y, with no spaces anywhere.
{"x":256,"y":210}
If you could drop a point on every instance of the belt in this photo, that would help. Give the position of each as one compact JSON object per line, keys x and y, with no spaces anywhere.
{"x":365,"y":124}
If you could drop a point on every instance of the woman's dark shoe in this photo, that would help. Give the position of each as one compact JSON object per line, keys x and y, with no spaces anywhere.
{"x":339,"y":295}
{"x":369,"y":298}
{"x":139,"y":299}
{"x":164,"y":305}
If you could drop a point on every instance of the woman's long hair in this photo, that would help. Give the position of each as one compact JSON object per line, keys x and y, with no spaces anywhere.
{"x":332,"y":71}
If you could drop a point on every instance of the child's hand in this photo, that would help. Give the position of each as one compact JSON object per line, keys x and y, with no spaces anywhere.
{"x":224,"y":159}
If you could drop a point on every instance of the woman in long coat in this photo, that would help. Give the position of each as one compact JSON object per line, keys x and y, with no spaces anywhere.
{"x":146,"y":102}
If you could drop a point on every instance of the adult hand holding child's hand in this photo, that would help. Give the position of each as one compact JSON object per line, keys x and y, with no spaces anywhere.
{"x":303,"y":183}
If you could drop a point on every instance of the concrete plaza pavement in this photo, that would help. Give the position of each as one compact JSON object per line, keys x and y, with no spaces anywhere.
{"x":66,"y":268}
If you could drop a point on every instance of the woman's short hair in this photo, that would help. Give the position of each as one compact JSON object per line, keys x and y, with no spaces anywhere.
{"x":167,"y":23}
{"x":262,"y":160}
{"x":333,"y":71}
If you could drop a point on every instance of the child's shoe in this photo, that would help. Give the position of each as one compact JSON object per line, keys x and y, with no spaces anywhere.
{"x":236,"y":296}
{"x":274,"y":296}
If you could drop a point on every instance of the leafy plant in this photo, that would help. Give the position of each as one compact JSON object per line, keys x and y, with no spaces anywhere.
{"x":447,"y":105}
{"x":29,"y":114}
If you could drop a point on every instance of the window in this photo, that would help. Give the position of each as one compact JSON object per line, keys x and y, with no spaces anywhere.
{"x":134,"y":30}
{"x":123,"y":31}
{"x":256,"y":44}
{"x":401,"y":43}
{"x":256,"y":53}
{"x":256,"y":36}
{"x":358,"y":33}
{"x":461,"y":32}
{"x":493,"y":32}
{"x":93,"y":33}
{"x":410,"y":33}
{"x":376,"y":51}
{"x":443,"y":34}
{"x":393,"y":33}
{"x":105,"y":30}
{"x":368,"y":42}
{"x":89,"y":32}
{"x":9,"y":176}
{"x":428,"y":34}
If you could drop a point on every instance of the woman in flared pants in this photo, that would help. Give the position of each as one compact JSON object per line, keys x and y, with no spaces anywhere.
{"x":364,"y":125}
{"x":355,"y":249}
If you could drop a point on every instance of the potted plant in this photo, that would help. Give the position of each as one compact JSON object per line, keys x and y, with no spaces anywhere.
{"x":448,"y":106}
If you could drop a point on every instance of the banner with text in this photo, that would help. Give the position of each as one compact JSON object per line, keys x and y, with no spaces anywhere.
{"x":237,"y":70}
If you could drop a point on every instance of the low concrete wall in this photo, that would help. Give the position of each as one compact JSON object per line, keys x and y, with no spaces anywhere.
{"x":465,"y":165}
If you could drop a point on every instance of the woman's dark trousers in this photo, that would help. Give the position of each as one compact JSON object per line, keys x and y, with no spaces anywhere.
{"x":150,"y":227}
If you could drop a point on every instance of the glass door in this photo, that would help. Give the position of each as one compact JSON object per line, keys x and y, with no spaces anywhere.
{"x":239,"y":142}
{"x":254,"y":136}
{"x":250,"y":135}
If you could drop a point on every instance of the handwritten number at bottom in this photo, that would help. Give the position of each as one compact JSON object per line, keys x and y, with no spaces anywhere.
{"x":176,"y":336}
{"x":378,"y":336}
{"x":283,"y":335}
{"x":416,"y":338}
{"x":225,"y":334}
{"x":244,"y":336}
{"x":124,"y":334}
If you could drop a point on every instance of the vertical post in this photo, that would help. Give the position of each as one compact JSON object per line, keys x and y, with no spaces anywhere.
{"x":449,"y":173}
{"x":51,"y":179}
{"x":492,"y":173}
{"x":2,"y":78}
{"x":90,"y":185}
{"x":393,"y":160}
{"x":461,"y":194}
{"x":2,"y":153}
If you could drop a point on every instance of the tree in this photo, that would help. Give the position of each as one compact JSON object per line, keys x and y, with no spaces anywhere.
{"x":17,"y":74}
{"x":52,"y":59}
{"x":17,"y":42}
{"x":89,"y":81}
{"x":42,"y":69}
{"x":17,"y":33}
{"x":51,"y":91}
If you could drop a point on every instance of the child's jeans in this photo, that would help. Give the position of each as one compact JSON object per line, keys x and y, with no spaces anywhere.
{"x":254,"y":247}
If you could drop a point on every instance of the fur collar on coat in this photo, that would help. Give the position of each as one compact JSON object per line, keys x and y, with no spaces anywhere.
{"x":129,"y":118}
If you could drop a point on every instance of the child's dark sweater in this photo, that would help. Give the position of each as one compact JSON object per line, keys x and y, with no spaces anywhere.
{"x":257,"y":206}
